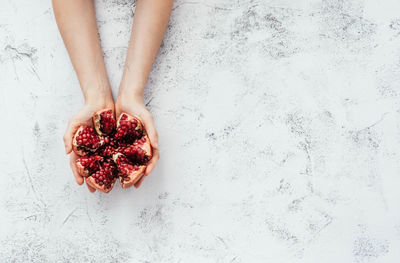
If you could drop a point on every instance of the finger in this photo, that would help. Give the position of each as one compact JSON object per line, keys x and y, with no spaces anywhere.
{"x":152,"y":163}
{"x":72,"y":163}
{"x":69,"y":134}
{"x":91,"y":189}
{"x":148,"y":122}
{"x":138,"y":183}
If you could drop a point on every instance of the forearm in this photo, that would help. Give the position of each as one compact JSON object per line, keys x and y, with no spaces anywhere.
{"x":150,"y":22}
{"x":76,"y":21}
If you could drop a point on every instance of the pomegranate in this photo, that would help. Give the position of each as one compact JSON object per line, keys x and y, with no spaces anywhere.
{"x":112,"y":150}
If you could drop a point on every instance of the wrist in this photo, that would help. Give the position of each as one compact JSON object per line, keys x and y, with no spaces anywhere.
{"x":99,"y":96}
{"x":99,"y":100}
{"x":132,"y":96}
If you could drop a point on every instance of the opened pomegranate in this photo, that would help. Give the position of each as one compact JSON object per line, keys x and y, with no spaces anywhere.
{"x":112,"y":150}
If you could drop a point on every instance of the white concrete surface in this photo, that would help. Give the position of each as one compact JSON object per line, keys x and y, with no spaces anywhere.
{"x":279,"y":124}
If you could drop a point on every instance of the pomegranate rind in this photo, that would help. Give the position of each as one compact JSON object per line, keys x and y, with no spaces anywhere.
{"x":129,"y":118}
{"x":133,"y":175}
{"x":108,"y":173}
{"x":144,"y":145}
{"x":97,"y":121}
{"x":84,"y":171}
{"x":91,"y":181}
{"x":81,"y":150}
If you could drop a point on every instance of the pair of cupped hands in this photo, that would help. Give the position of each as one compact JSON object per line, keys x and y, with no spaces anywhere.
{"x":133,"y":106}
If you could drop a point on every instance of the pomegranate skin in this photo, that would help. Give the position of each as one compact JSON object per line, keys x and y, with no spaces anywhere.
{"x":88,"y":164}
{"x":129,"y":128}
{"x":139,"y":151}
{"x":134,"y":178}
{"x":91,"y":181}
{"x":104,"y":122}
{"x":129,"y":174}
{"x":145,"y":144}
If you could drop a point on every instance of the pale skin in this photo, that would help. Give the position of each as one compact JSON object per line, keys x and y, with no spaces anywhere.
{"x":76,"y":21}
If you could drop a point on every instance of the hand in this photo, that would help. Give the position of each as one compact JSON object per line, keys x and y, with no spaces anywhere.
{"x":136,"y":107}
{"x":83,"y":117}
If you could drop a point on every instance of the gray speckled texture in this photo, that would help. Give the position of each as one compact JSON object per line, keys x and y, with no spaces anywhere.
{"x":279,"y":125}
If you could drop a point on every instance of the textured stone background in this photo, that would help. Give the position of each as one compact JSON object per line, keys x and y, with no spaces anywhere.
{"x":279,"y":125}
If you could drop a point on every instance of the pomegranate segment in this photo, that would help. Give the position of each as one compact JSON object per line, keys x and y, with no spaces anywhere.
{"x":108,"y":152}
{"x":129,"y":128}
{"x":88,"y":164}
{"x":86,"y":140}
{"x":103,"y":179}
{"x":129,"y":172}
{"x":139,"y":151}
{"x":135,"y":154}
{"x":104,"y":122}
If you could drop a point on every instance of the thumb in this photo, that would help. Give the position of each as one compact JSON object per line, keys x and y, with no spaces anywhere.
{"x":148,"y":122}
{"x":69,"y":134}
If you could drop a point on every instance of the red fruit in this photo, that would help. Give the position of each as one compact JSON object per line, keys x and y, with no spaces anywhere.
{"x":129,"y":128}
{"x":129,"y":172}
{"x":109,"y":151}
{"x":104,"y":121}
{"x":88,"y":164}
{"x":139,"y":151}
{"x":104,"y":178}
{"x":86,"y":140}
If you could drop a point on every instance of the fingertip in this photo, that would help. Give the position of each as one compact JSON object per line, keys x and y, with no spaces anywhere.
{"x":68,"y":149}
{"x":155,"y":144}
{"x":153,"y":138}
{"x":137,"y":184}
{"x":72,"y":162}
{"x":148,"y":169}
{"x":66,"y":145}
{"x":79,"y":180}
{"x":91,"y":189}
